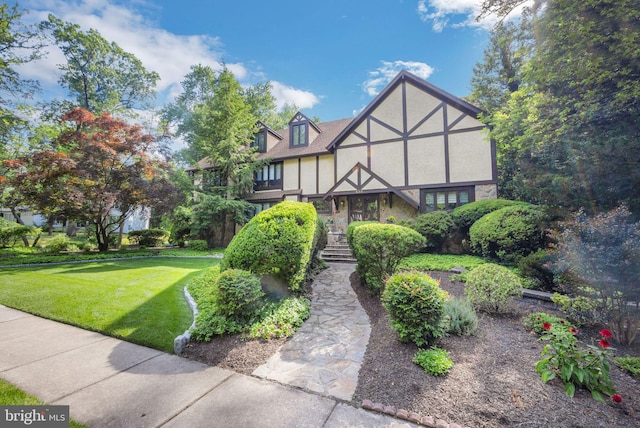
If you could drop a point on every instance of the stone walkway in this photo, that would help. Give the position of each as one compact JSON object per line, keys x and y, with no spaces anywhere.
{"x":326,"y":353}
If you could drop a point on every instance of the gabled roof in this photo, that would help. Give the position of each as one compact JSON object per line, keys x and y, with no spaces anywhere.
{"x":359,"y":181}
{"x":263,"y":125}
{"x":419,"y":83}
{"x":300,"y":117}
{"x":328,"y":132}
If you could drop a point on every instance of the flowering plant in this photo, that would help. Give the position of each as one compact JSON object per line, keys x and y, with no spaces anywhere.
{"x":576,"y":367}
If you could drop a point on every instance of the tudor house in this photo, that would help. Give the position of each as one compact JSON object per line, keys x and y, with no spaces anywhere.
{"x":414,"y":149}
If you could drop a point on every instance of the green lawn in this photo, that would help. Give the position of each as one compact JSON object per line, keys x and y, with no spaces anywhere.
{"x":139,"y":300}
{"x":13,"y":396}
{"x":440,"y":262}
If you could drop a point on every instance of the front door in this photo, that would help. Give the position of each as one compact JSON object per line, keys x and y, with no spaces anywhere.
{"x":363,"y":208}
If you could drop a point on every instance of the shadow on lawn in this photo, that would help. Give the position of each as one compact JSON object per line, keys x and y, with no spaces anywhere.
{"x":157,"y":321}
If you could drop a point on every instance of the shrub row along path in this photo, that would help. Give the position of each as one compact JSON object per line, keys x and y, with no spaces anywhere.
{"x":325,"y":354}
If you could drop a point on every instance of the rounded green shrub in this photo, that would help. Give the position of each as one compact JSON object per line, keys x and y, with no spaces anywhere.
{"x":378,"y":249}
{"x":198,"y":245}
{"x":434,"y":361}
{"x":277,"y":242}
{"x":148,"y":237}
{"x":491,"y":287}
{"x":415,"y":303}
{"x":59,"y":243}
{"x":352,"y":227}
{"x":508,"y":233}
{"x":460,"y":317}
{"x":239,"y":295}
{"x":435,"y":226}
{"x":465,"y":215}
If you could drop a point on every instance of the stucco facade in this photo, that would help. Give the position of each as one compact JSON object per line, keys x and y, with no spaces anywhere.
{"x":413,"y":149}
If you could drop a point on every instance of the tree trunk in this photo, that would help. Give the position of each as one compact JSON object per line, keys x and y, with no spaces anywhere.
{"x":18,"y":218}
{"x":120,"y":233}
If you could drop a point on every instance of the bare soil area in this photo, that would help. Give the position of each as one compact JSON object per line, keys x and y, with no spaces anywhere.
{"x":492,"y":384}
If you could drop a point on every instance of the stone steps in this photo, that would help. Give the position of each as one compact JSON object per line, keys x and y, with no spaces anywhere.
{"x":337,"y":253}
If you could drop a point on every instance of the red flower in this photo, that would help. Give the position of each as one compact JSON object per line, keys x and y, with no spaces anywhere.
{"x":604,"y":343}
{"x":573,"y":330}
{"x":546,"y":326}
{"x":605,"y":333}
{"x":617,"y":398}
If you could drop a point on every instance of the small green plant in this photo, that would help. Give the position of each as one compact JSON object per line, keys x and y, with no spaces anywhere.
{"x":491,"y":288}
{"x":283,"y":318}
{"x":415,"y":303}
{"x":581,"y":310}
{"x":460,"y":317}
{"x":198,"y":245}
{"x":59,"y":243}
{"x":576,"y":368}
{"x":434,"y":361}
{"x":391,"y":219}
{"x":239,"y":296}
{"x":629,"y":364}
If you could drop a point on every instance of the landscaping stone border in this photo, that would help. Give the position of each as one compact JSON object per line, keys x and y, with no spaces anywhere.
{"x":180,"y":341}
{"x":414,"y":417}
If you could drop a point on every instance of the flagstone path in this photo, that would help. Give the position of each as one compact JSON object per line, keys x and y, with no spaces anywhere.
{"x":326,"y":353}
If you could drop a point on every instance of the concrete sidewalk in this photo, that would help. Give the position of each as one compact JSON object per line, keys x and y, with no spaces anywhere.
{"x":111,"y":383}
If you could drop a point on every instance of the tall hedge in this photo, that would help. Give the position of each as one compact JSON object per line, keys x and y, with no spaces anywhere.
{"x":378,"y":248}
{"x":465,"y":215}
{"x":278,"y":242}
{"x":509,"y":233}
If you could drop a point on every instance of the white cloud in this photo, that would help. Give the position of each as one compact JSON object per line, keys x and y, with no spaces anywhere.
{"x":170,"y":55}
{"x":287,"y":95}
{"x":389,"y":69}
{"x":458,"y":13}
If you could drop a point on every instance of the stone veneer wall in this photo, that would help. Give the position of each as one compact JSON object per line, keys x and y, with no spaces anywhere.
{"x":486,"y":191}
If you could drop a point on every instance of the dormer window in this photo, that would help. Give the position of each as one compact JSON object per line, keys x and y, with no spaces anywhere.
{"x":260,"y":141}
{"x":299,"y":135}
{"x":302,"y":131}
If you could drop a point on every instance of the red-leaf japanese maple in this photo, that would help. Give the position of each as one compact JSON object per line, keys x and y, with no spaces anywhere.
{"x":99,"y":173}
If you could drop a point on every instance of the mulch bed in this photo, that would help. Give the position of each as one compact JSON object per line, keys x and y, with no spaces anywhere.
{"x":492,"y":384}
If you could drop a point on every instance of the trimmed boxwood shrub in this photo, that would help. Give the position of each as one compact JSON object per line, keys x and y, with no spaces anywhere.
{"x":415,"y":303}
{"x":435,"y":226}
{"x":491,"y":287}
{"x":465,"y":215}
{"x":148,"y":237}
{"x":508,"y":233}
{"x":378,"y":248}
{"x":351,"y":227}
{"x":239,"y":296}
{"x":277,"y":242}
{"x":198,"y":245}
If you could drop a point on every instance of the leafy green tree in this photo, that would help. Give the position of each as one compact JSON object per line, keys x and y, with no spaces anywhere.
{"x":587,"y":66}
{"x":100,"y":76}
{"x":501,"y":71}
{"x":568,"y":136}
{"x":19,"y":44}
{"x":217,"y":118}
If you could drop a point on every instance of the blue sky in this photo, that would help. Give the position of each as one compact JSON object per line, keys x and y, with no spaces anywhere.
{"x":329,"y":57}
